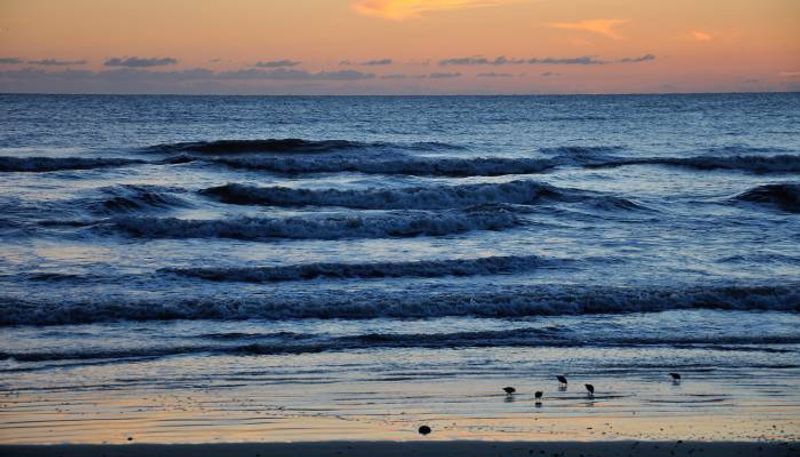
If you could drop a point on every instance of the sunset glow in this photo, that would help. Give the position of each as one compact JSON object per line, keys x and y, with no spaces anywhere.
{"x":398,"y":46}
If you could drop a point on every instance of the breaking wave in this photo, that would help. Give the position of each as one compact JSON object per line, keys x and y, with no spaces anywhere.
{"x":326,"y":227}
{"x":289,"y":145}
{"x":398,"y":165}
{"x":272,"y":145}
{"x":782,"y":196}
{"x":430,"y":197}
{"x":421,"y":269}
{"x":490,"y":301}
{"x":785,"y":163}
{"x":130,"y":198}
{"x":43,"y":164}
{"x":293,"y":343}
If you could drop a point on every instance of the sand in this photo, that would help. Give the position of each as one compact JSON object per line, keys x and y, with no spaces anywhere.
{"x":418,"y":449}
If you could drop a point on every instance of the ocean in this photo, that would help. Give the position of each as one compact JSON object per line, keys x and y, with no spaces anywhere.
{"x":342,"y":261}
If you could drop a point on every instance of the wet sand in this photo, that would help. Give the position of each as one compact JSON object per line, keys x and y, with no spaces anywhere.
{"x":418,"y":449}
{"x":330,"y":397}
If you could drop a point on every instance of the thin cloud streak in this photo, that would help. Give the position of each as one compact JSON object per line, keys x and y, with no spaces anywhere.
{"x":139,"y":62}
{"x":295,"y":75}
{"x":443,"y":75}
{"x":57,"y":62}
{"x":400,"y":10}
{"x":368,"y":63}
{"x":495,"y":75}
{"x":195,"y":74}
{"x":581,"y":60}
{"x":701,"y":36}
{"x":283,"y":63}
{"x":603,"y":27}
{"x":644,"y":58}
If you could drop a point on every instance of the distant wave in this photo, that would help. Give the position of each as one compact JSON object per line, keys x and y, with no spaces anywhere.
{"x":45,"y":164}
{"x":128,"y":198}
{"x":292,"y":343}
{"x":423,"y":269}
{"x":755,"y":164}
{"x":488,"y":301}
{"x":42,"y":164}
{"x":744,"y":149}
{"x":521,"y":192}
{"x":782,"y":196}
{"x":287,"y":145}
{"x":431,"y":197}
{"x":581,"y":150}
{"x":497,"y":166}
{"x":327,"y":227}
{"x":393,"y":165}
{"x":764,"y":258}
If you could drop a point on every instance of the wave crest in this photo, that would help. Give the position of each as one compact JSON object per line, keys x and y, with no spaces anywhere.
{"x":44,"y":164}
{"x":329,"y":227}
{"x":785,"y":163}
{"x":129,"y":198}
{"x":402,"y":165}
{"x":423,"y":269}
{"x":782,"y":196}
{"x":272,"y":145}
{"x":500,"y":301}
{"x":431,"y":197}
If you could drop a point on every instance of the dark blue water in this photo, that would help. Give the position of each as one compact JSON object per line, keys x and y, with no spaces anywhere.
{"x":401,"y":222}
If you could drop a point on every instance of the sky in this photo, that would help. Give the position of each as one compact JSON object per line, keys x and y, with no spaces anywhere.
{"x":310,"y":47}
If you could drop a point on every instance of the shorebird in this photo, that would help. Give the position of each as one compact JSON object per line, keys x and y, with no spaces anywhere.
{"x":509,"y":391}
{"x":538,"y":394}
{"x":424,"y":430}
{"x":590,"y":388}
{"x":562,"y":380}
{"x":676,"y":377}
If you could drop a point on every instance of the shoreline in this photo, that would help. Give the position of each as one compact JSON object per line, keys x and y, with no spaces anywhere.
{"x":416,"y":448}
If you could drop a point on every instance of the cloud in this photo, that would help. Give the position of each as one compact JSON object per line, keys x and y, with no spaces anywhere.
{"x":195,"y":74}
{"x":478,"y":60}
{"x":548,"y":74}
{"x":644,"y":58}
{"x":295,"y":75}
{"x":495,"y":75}
{"x":584,"y":60}
{"x":10,"y":60}
{"x":443,"y":75}
{"x":789,"y":74}
{"x":701,"y":36}
{"x":403,"y":76}
{"x":399,"y":10}
{"x":377,"y":62}
{"x":581,"y":60}
{"x":277,"y":63}
{"x":139,"y":62}
{"x":465,"y":61}
{"x":603,"y":27}
{"x":369,"y":63}
{"x":56,"y":62}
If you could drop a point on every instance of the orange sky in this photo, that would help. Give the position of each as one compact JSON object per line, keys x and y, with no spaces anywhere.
{"x":399,"y":46}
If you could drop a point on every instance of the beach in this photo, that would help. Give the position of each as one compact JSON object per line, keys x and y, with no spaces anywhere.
{"x":421,"y":449}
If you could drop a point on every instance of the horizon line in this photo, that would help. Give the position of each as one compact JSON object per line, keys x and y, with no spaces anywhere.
{"x":557,"y":94}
